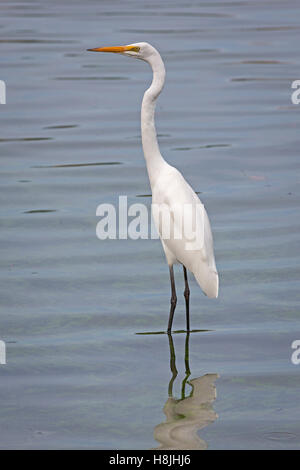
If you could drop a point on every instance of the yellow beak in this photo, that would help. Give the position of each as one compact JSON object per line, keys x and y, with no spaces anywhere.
{"x":115,"y":49}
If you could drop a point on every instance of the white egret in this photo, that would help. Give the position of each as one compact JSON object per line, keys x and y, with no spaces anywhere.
{"x":172,"y":194}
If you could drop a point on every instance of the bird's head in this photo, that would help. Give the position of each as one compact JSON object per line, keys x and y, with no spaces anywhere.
{"x":139,"y":50}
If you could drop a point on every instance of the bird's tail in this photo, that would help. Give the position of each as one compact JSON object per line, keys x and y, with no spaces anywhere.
{"x":209,"y":282}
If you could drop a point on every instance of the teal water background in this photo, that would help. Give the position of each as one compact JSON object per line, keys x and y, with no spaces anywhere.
{"x":77,"y":374}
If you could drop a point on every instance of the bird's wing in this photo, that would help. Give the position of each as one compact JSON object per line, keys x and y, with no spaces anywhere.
{"x":177,"y":201}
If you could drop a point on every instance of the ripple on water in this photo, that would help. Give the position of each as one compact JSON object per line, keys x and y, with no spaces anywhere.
{"x":77,"y":375}
{"x":280,"y":436}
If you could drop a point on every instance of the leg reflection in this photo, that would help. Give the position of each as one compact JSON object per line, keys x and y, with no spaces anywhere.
{"x":192,"y":412}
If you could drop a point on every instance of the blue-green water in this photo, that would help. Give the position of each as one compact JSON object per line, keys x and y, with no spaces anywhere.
{"x":77,"y":374}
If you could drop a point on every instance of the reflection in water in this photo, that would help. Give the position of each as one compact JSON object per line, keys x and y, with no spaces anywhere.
{"x":186,"y":415}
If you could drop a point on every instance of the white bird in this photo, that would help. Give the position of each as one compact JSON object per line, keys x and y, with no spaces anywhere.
{"x":177,"y":201}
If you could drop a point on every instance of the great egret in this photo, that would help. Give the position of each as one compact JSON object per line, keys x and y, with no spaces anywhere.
{"x":172,"y":194}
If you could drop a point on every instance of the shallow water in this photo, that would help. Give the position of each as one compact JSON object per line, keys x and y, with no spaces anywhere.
{"x":77,"y":374}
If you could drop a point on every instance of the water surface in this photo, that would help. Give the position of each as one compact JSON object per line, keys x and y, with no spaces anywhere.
{"x":77,"y":374}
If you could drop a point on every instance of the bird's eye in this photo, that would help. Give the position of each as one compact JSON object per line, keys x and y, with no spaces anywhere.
{"x":134,"y":49}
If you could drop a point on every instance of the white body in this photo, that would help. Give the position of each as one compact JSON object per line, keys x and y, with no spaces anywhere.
{"x":170,"y":188}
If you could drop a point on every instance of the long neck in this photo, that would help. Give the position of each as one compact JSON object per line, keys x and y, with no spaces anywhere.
{"x":154,"y":160}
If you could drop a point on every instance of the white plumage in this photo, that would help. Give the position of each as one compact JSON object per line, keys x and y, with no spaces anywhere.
{"x":174,"y":192}
{"x":171,"y":192}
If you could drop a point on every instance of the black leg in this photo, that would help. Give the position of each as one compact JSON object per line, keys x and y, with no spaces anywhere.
{"x":173,"y":299}
{"x":187,"y":299}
